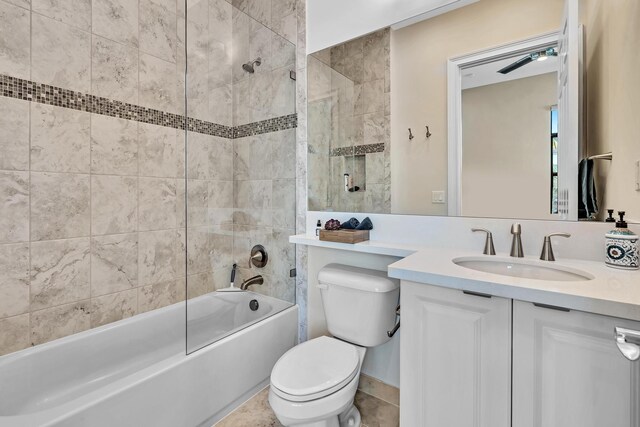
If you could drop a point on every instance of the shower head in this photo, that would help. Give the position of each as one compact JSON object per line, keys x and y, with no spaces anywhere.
{"x":249,"y":66}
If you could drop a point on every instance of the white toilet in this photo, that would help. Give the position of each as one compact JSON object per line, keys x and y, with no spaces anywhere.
{"x":314,"y":383}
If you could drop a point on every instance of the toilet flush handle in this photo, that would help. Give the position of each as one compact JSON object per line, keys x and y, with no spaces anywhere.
{"x":392,"y":332}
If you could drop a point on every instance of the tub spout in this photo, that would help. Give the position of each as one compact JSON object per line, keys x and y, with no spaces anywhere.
{"x":255,"y":280}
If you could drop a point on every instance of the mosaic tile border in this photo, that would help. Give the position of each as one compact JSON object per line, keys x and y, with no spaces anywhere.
{"x":357,"y":150}
{"x":265,"y":126}
{"x":28,"y":90}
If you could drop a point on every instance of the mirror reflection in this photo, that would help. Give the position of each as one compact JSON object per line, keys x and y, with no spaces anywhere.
{"x":483,"y":112}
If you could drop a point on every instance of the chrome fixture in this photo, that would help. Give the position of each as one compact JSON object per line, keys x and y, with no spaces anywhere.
{"x":516,"y":243}
{"x":249,"y":67}
{"x":392,"y":332}
{"x":258,"y":257}
{"x":628,"y":342}
{"x":489,"y":249}
{"x":547,"y":249}
{"x":255,"y":280}
{"x":605,"y":156}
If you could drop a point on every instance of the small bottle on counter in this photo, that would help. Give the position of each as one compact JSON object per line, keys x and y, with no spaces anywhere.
{"x":621,"y":246}
{"x":318,"y":227}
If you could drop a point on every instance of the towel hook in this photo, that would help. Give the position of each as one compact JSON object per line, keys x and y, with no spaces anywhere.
{"x":410,"y":135}
{"x":428,"y":133}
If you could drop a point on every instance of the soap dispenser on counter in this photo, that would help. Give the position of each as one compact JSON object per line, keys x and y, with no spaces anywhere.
{"x":621,"y":246}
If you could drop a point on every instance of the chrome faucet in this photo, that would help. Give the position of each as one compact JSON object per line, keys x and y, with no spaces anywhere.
{"x":516,"y":243}
{"x":489,"y":249}
{"x":547,"y":250}
{"x":255,"y":280}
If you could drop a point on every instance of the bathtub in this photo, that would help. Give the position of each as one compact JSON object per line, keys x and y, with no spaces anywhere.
{"x":136,"y":372}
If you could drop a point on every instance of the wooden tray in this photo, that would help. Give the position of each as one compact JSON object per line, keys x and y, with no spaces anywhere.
{"x":344,"y":236}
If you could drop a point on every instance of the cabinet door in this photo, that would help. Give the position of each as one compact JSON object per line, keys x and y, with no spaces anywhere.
{"x":455,"y":358}
{"x":568,"y":371}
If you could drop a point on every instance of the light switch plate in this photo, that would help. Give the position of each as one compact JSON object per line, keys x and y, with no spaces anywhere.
{"x":437,"y":197}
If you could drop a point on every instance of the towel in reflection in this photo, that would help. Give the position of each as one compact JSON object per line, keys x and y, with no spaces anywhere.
{"x":587,"y":200}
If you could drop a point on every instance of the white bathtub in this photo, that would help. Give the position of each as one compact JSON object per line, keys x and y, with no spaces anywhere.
{"x":135,"y":372}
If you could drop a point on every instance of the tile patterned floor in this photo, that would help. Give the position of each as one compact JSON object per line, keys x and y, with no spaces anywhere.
{"x":256,"y":412}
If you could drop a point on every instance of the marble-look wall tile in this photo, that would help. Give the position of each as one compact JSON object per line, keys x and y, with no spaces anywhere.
{"x":284,"y":154}
{"x":76,"y":13}
{"x":114,"y":263}
{"x":59,"y":139}
{"x":221,"y":159}
{"x":198,"y":152}
{"x":59,"y":206}
{"x":15,"y":41}
{"x":114,"y":72}
{"x":284,"y":203}
{"x":14,"y":138}
{"x":60,"y":271}
{"x":114,"y":204}
{"x":116,"y":20}
{"x":220,"y":202}
{"x":253,"y":158}
{"x":159,"y":151}
{"x":14,"y":210}
{"x":157,"y":204}
{"x":14,"y":279}
{"x":114,"y":146}
{"x":61,"y":54}
{"x":197,"y":202}
{"x":253,"y":194}
{"x":373,"y":96}
{"x":160,"y":295}
{"x":57,"y":322}
{"x":158,"y":30}
{"x":157,"y":83}
{"x":111,"y":308}
{"x":14,"y":334}
{"x":199,"y":284}
{"x":157,"y":256}
{"x":198,"y":250}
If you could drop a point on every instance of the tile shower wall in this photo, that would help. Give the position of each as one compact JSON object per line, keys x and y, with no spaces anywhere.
{"x":349,"y":124}
{"x":92,"y":219}
{"x":91,"y":213}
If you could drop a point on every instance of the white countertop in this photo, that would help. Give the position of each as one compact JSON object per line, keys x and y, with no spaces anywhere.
{"x":369,"y":247}
{"x":611,"y":292}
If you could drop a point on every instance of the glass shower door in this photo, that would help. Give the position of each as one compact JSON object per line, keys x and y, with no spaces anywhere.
{"x":240,"y":170}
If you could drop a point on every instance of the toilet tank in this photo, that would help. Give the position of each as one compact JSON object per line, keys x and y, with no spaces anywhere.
{"x":359,"y":304}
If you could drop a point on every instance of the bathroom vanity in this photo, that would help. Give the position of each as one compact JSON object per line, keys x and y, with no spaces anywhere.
{"x":490,"y":349}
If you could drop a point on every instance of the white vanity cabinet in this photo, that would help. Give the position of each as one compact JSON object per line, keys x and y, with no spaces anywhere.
{"x":474,"y":360}
{"x":455,"y":358}
{"x":568,"y":371}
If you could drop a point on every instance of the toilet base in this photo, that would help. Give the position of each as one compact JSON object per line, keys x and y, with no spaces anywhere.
{"x":349,"y":418}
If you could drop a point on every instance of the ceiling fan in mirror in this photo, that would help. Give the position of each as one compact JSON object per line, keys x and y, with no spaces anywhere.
{"x":535,"y":56}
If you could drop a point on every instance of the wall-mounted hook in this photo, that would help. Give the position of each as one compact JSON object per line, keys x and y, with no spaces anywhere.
{"x":428,"y":133}
{"x":410,"y":135}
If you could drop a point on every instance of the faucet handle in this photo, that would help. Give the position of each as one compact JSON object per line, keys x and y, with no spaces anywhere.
{"x":547,"y":249}
{"x":489,"y":249}
{"x":516,"y":228}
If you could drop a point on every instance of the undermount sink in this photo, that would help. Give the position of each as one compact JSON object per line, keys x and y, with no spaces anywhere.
{"x":524,"y":268}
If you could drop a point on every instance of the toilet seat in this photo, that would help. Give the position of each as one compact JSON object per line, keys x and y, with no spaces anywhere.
{"x":315,"y":369}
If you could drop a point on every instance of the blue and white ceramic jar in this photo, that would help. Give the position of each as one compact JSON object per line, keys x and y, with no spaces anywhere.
{"x":621,"y":247}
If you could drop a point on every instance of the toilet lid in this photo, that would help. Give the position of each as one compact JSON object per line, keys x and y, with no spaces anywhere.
{"x":315,"y":368}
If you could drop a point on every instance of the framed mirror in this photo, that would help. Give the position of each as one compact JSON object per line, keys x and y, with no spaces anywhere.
{"x":501,"y":108}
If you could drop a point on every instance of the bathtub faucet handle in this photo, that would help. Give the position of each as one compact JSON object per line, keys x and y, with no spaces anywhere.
{"x":258,"y":257}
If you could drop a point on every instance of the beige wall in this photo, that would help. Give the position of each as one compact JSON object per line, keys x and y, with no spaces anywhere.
{"x":612,"y":34}
{"x":506,"y":148}
{"x":419,"y":55}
